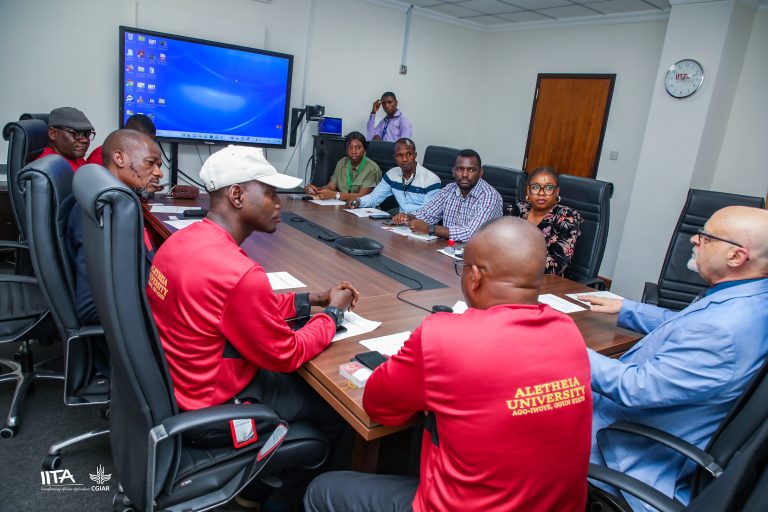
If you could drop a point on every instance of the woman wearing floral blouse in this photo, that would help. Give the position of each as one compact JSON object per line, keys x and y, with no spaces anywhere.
{"x":558,"y":223}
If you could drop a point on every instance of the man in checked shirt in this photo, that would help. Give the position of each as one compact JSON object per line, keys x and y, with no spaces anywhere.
{"x":460,"y":208}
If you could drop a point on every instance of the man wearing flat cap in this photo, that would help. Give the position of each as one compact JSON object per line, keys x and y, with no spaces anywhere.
{"x":69,"y":134}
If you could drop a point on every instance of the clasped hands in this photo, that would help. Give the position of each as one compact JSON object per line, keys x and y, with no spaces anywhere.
{"x":343,"y":296}
{"x":320,"y":193}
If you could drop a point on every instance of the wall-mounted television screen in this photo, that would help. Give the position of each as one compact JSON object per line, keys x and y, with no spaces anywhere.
{"x":204,"y":91}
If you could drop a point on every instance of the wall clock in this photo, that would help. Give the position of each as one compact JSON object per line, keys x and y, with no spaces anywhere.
{"x":684,"y":78}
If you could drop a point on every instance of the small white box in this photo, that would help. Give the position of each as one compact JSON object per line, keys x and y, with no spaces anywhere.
{"x":355,"y":373}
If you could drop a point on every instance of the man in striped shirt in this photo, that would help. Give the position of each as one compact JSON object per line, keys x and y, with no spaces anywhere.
{"x":460,"y":207}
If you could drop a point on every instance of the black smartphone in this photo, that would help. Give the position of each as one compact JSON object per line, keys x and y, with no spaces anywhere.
{"x":307,"y":197}
{"x":370,"y":359}
{"x":380,"y":216}
{"x":194,"y":214}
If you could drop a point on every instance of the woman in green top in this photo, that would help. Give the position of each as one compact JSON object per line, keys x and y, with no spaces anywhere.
{"x":355,"y":174}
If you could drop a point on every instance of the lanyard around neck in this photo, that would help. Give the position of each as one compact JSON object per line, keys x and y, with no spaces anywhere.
{"x":349,"y":171}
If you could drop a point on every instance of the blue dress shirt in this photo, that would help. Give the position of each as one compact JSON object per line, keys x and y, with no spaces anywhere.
{"x":683,"y":378}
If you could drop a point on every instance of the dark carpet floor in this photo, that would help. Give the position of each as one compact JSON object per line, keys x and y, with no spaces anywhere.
{"x":44,"y":419}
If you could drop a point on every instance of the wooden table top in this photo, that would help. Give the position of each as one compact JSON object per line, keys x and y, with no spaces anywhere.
{"x":321,"y":266}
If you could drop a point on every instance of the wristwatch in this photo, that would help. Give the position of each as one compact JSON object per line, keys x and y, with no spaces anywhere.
{"x":431,"y":230}
{"x":355,"y":203}
{"x":336,"y":314}
{"x":338,"y":195}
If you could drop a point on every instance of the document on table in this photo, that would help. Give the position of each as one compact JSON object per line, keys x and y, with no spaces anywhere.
{"x":559,"y":303}
{"x":406,"y":231}
{"x":449,"y":251}
{"x":283,"y":281}
{"x":162,"y":208}
{"x":183,"y":223}
{"x":460,"y":307}
{"x":365,"y":212}
{"x":596,"y":293}
{"x":387,"y":345}
{"x":355,"y":325}
{"x":328,"y":202}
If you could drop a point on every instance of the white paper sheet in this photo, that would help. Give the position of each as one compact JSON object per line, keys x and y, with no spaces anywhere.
{"x":406,"y":231}
{"x":181,"y":224}
{"x":162,"y":208}
{"x":283,"y":281}
{"x":365,"y":212}
{"x":596,"y":293}
{"x":559,"y":303}
{"x":355,"y":325}
{"x":448,"y":251}
{"x":460,"y":307}
{"x":328,"y":202}
{"x":387,"y":345}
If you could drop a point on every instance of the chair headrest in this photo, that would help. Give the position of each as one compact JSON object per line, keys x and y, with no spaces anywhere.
{"x":99,"y":180}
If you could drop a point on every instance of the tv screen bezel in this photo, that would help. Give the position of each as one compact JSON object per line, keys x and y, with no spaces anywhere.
{"x":121,"y":96}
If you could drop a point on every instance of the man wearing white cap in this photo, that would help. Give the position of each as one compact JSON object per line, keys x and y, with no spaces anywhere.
{"x":222,"y":327}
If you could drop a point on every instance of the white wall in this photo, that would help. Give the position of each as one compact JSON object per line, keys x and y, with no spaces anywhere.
{"x":742,"y":167}
{"x":631,"y":51}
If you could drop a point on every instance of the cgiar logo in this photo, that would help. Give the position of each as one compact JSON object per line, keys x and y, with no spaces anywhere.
{"x":100,"y":477}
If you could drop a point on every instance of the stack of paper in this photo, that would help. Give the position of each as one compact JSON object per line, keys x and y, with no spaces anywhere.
{"x":559,"y":303}
{"x":328,"y":202}
{"x":387,"y":345}
{"x":406,"y":231}
{"x":355,"y":324}
{"x":605,"y":295}
{"x":365,"y":212}
{"x":162,"y":208}
{"x":283,"y":281}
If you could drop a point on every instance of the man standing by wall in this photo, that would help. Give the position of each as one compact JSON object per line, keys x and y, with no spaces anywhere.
{"x":394,"y":126}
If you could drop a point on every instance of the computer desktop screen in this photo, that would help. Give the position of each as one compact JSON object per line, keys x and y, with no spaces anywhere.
{"x":203,"y":91}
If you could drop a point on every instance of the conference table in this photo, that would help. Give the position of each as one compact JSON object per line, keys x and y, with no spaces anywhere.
{"x":296,"y":248}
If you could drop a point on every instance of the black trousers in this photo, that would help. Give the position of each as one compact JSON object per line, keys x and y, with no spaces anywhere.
{"x":293,"y":400}
{"x":349,"y":491}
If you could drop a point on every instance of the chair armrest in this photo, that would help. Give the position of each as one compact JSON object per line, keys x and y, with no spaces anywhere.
{"x":13,"y":278}
{"x":636,"y":488}
{"x":595,"y":282}
{"x":651,"y":294}
{"x":8,"y":244}
{"x":90,"y":330}
{"x":193,"y":419}
{"x":685,"y":448}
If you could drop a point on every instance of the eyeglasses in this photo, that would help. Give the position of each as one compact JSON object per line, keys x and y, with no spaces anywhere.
{"x":701,"y":233}
{"x":458,"y":266}
{"x":548,"y":189}
{"x":78,"y":134}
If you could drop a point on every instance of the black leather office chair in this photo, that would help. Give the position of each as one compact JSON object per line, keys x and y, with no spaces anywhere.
{"x":26,"y":140}
{"x":740,"y":442}
{"x":24,"y":314}
{"x":508,"y":182}
{"x":592,"y":199}
{"x":440,"y":160}
{"x":46,"y":185}
{"x":42,"y":116}
{"x":154,"y":467}
{"x":678,"y":286}
{"x":383,"y":153}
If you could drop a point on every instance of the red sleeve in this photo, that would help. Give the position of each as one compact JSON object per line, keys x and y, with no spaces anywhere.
{"x":253,"y":323}
{"x":395,"y":391}
{"x":285,"y":304}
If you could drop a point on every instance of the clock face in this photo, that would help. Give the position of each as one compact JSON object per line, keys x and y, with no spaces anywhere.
{"x":684,"y":78}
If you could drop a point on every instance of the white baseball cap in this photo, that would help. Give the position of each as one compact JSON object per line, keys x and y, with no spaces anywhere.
{"x":240,"y":164}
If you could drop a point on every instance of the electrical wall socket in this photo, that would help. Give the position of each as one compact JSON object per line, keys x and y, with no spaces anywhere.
{"x":403,"y":70}
{"x":613,"y":155}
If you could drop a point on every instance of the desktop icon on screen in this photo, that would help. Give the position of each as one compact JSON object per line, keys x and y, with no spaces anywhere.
{"x":140,"y":69}
{"x":129,"y":68}
{"x":129,"y":36}
{"x":129,"y":52}
{"x":161,"y":101}
{"x":142,"y":39}
{"x":129,"y":113}
{"x":151,"y":70}
{"x":153,"y":41}
{"x":162,"y":56}
{"x":129,"y":83}
{"x":129,"y":98}
{"x":140,"y":85}
{"x":140,"y":53}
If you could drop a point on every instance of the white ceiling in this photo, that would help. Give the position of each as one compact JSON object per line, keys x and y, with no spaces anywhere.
{"x":504,"y":15}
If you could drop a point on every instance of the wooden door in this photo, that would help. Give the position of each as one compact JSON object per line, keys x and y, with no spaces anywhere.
{"x":568,"y":122}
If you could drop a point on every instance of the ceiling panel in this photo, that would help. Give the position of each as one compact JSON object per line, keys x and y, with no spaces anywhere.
{"x":622,"y":6}
{"x":489,"y":6}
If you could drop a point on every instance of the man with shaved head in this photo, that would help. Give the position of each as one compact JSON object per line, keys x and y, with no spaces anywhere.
{"x":686,"y":374}
{"x":505,"y":387}
{"x":134,"y":158}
